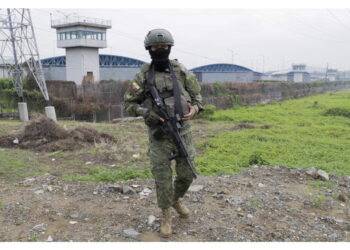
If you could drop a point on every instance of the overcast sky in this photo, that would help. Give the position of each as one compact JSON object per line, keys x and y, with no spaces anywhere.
{"x":260,"y":39}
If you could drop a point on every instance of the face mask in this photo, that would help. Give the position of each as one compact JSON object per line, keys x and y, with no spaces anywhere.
{"x":160,"y":58}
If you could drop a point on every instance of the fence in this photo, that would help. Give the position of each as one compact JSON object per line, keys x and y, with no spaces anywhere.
{"x":104,"y":101}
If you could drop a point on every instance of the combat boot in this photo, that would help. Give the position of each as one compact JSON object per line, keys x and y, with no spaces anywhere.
{"x":165,"y":225}
{"x":181,"y":209}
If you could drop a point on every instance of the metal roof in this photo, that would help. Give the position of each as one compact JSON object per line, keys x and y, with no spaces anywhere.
{"x":105,"y":61}
{"x":221,"y":67}
{"x":119,"y":61}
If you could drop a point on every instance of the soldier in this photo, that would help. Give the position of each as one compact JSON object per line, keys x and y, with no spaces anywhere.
{"x":138,"y":102}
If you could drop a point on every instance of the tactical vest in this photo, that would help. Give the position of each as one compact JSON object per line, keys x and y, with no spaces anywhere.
{"x":164,"y":85}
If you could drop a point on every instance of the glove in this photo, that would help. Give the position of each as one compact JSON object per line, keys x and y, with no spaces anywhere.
{"x":151,"y":118}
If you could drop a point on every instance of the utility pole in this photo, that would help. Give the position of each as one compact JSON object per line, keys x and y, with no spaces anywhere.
{"x":263,"y":63}
{"x":232,"y":55}
{"x":17,"y":32}
{"x":327,"y":73}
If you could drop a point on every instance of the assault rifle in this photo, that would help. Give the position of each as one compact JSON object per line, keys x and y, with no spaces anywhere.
{"x":170,"y":126}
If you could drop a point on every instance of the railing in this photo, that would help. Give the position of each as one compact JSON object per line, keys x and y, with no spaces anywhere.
{"x":81,"y":19}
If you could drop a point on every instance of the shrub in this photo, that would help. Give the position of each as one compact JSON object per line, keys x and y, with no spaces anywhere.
{"x":257,"y":159}
{"x":338,"y":112}
{"x":6,"y":83}
{"x":209,"y":110}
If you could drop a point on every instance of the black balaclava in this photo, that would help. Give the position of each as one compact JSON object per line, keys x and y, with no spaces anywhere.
{"x":160,"y":58}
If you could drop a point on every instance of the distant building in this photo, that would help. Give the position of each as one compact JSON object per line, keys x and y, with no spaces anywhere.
{"x":110,"y":67}
{"x":281,"y":76}
{"x":297,"y":74}
{"x":332,"y":75}
{"x":344,"y":75}
{"x":223,"y":72}
{"x":81,"y":37}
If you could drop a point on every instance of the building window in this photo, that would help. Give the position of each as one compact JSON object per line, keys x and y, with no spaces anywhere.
{"x":74,"y":35}
{"x":81,"y":34}
{"x":61,"y":36}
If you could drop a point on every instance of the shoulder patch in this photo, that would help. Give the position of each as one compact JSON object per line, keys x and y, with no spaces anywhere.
{"x":134,"y":86}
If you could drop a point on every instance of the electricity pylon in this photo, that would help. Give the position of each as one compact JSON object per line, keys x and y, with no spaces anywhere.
{"x":19,"y":51}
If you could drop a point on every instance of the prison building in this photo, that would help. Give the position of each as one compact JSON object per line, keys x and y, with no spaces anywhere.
{"x":81,"y":37}
{"x":224,"y":72}
{"x":297,"y":74}
{"x":110,"y":67}
{"x":332,"y":75}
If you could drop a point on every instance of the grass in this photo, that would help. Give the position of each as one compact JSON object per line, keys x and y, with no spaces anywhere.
{"x":311,"y":131}
{"x":302,"y":134}
{"x":101,"y":174}
{"x":17,"y":164}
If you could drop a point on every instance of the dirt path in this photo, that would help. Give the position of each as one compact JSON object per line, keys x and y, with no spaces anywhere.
{"x":259,"y":204}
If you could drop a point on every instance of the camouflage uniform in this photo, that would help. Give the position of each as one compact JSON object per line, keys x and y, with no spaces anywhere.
{"x":160,"y":150}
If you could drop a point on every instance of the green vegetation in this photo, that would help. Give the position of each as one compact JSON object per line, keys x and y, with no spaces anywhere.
{"x":338,"y":112}
{"x":5,"y":83}
{"x":298,"y":134}
{"x":101,"y":174}
{"x":17,"y":164}
{"x":209,"y":110}
{"x":294,"y":133}
{"x":9,"y":97}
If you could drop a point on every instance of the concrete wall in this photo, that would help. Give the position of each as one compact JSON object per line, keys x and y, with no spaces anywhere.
{"x":225,"y":77}
{"x":59,"y":73}
{"x":298,"y":77}
{"x":81,"y":42}
{"x":331,"y":77}
{"x":118,"y":73}
{"x":55,"y":73}
{"x":279,"y":77}
{"x":79,"y":61}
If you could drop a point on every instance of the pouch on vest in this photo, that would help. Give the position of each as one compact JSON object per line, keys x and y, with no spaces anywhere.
{"x":170,"y":105}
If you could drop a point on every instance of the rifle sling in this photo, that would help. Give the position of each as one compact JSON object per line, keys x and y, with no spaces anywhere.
{"x":177,"y":93}
{"x":176,"y":89}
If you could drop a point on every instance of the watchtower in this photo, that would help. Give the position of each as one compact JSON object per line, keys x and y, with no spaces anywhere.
{"x":299,"y":74}
{"x":81,"y":37}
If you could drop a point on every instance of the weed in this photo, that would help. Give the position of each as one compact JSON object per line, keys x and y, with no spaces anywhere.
{"x":209,"y":110}
{"x":257,"y":159}
{"x":101,"y":174}
{"x":318,"y":200}
{"x":33,"y":237}
{"x":255,"y":203}
{"x":338,"y":112}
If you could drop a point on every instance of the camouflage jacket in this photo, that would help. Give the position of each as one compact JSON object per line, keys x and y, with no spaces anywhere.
{"x":135,"y":97}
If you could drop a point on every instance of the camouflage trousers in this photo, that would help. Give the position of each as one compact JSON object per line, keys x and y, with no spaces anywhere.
{"x":159,"y":153}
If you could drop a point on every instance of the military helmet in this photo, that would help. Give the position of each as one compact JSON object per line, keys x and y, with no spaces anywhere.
{"x":158,"y":37}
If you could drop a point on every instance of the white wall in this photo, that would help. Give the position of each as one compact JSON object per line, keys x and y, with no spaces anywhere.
{"x":298,"y":77}
{"x":79,"y":61}
{"x":283,"y":77}
{"x":55,"y":73}
{"x":118,"y":73}
{"x":228,"y":77}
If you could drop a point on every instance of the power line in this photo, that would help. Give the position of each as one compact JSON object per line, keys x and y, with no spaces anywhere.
{"x":294,"y":31}
{"x":132,"y":37}
{"x":316,"y":28}
{"x":346,"y":27}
